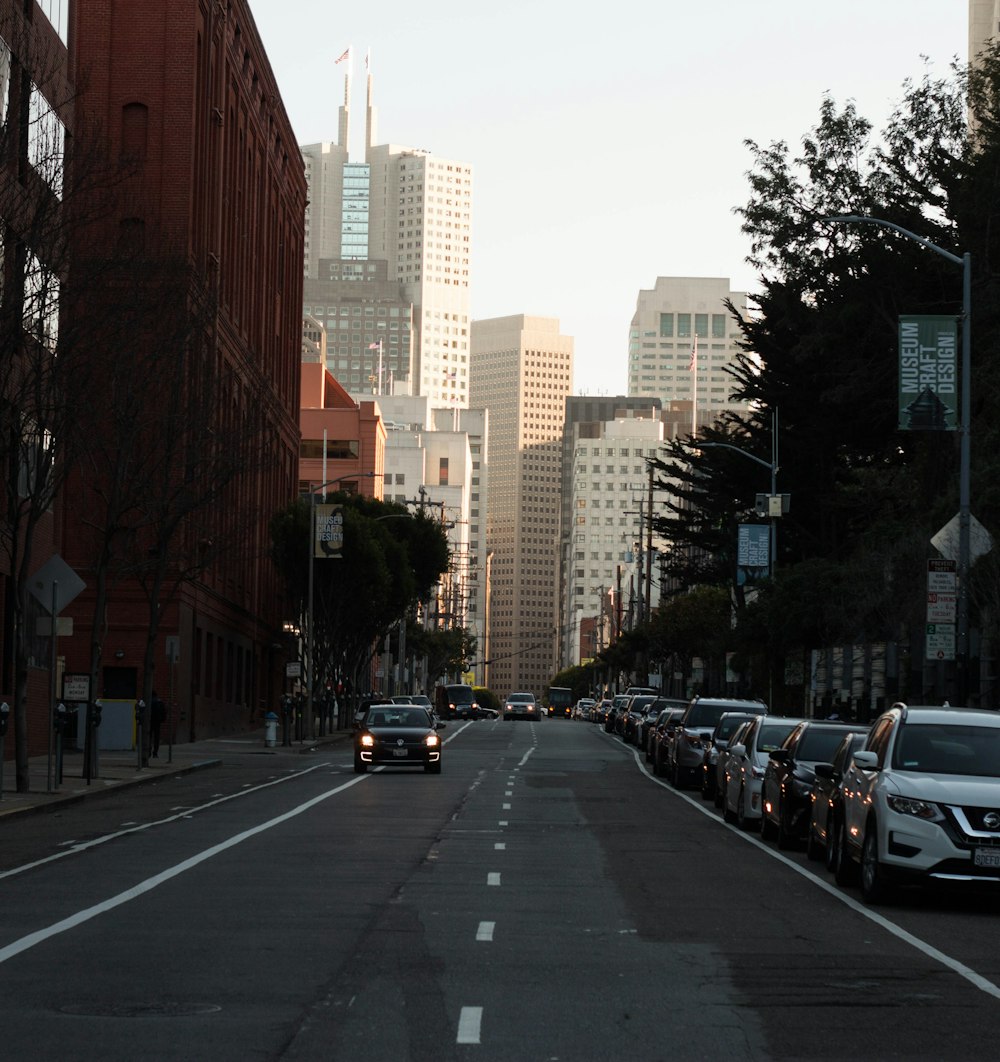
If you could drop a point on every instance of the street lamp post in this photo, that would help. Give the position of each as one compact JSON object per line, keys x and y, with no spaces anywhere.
{"x":771,"y":465}
{"x":310,"y":663}
{"x":965,"y":430}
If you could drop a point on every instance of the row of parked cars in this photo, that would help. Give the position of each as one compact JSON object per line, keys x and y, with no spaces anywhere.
{"x":913,"y":798}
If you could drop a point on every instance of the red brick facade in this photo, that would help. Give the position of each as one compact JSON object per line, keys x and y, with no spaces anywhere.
{"x":184,"y":86}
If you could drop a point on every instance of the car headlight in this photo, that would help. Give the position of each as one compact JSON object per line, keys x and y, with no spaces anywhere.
{"x":432,"y":740}
{"x":919,"y":809}
{"x":367,"y":741}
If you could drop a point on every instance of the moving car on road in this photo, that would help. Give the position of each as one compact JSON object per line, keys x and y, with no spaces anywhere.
{"x":397,"y":735}
{"x":521,"y":706}
{"x":457,"y":701}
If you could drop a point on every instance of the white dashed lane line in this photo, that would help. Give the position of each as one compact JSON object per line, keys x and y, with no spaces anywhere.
{"x":493,"y":878}
{"x":469,"y":1023}
{"x":499,"y":846}
{"x":485,"y":931}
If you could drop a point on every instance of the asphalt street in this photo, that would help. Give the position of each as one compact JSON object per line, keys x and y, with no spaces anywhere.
{"x":543,"y":898}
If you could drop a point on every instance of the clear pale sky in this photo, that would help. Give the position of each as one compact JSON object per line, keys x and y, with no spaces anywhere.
{"x":606,"y":139}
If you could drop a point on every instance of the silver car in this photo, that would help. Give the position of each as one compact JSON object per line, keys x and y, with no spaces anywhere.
{"x":745,"y":768}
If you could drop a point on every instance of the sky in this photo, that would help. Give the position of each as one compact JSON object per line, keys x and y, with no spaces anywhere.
{"x":607,"y":140}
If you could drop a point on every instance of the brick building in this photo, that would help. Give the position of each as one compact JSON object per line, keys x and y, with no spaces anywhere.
{"x":211,"y":198}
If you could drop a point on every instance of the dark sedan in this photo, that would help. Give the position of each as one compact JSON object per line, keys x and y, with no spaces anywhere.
{"x":789,"y":776}
{"x":826,"y":798}
{"x":398,"y":736}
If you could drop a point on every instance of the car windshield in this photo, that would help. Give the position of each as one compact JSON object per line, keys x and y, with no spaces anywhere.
{"x":728,"y":726}
{"x":819,"y":743}
{"x":948,"y":748}
{"x":415,"y":717}
{"x":771,"y":736}
{"x":526,"y":697}
{"x":705,"y":714}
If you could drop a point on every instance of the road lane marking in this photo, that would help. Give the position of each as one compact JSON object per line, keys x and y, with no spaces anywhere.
{"x":485,"y":931}
{"x":492,"y":878}
{"x":524,"y":758}
{"x":499,"y":846}
{"x":505,"y":807}
{"x":509,"y":792}
{"x":129,"y":828}
{"x":970,"y":975}
{"x":503,"y":822}
{"x":74,"y":920}
{"x":469,"y":1022}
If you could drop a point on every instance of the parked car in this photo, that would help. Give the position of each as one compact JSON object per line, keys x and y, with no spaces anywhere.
{"x":825,"y":799}
{"x":601,"y":711}
{"x":521,"y":705}
{"x":722,"y":764}
{"x":397,"y":735}
{"x":662,"y":735}
{"x":695,"y":731}
{"x":618,"y":703}
{"x":728,"y":723}
{"x":921,"y":800}
{"x":745,"y":765}
{"x":634,"y":716}
{"x":789,"y":776}
{"x":581,"y":710}
{"x":652,"y":715}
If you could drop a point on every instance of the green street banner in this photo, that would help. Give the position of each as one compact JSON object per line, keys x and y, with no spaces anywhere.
{"x":928,"y":373}
{"x":329,"y":531}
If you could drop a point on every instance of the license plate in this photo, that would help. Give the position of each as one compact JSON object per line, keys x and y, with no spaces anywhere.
{"x":987,"y":857}
{"x":401,"y":752}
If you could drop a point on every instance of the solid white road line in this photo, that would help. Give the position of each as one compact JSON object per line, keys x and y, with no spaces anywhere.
{"x":469,"y":1023}
{"x":922,"y":946}
{"x":149,"y":884}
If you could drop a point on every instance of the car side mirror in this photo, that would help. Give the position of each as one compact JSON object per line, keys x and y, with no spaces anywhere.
{"x":867,"y":761}
{"x":781,"y":755}
{"x":737,"y":749}
{"x":824,"y":770}
{"x":441,"y":726}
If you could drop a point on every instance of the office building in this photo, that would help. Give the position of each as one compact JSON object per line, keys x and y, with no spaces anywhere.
{"x":411,"y":211}
{"x":681,"y":340}
{"x":522,"y":373}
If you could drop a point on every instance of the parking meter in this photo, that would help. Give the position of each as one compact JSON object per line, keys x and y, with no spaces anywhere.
{"x":4,"y":715}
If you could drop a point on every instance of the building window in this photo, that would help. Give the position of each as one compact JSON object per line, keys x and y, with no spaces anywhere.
{"x":443,"y":472}
{"x":718,"y":326}
{"x":666,"y":324}
{"x":684,"y":325}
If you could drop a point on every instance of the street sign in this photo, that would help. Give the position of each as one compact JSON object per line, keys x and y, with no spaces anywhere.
{"x":946,"y":540}
{"x":293,"y":669}
{"x":941,"y":576}
{"x":55,"y":571}
{"x":928,"y":371}
{"x":76,"y":688}
{"x":941,"y":608}
{"x":940,"y":641}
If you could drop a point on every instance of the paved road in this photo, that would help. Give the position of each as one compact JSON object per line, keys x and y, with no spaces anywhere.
{"x":543,"y":898}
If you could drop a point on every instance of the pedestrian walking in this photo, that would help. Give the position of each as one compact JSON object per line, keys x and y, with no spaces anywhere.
{"x":157,"y":713}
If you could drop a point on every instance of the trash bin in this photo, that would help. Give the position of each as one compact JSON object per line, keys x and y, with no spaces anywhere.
{"x":270,"y":730}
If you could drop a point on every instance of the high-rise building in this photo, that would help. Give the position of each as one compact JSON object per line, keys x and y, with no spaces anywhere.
{"x":522,"y":370}
{"x":984,"y":24}
{"x":682,"y":339}
{"x":412,"y":211}
{"x":605,"y":445}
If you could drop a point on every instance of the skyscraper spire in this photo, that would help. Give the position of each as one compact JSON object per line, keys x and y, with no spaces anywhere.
{"x":371,"y":121}
{"x":344,"y":127}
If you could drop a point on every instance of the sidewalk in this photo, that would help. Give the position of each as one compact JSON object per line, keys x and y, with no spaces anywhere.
{"x":120,"y":769}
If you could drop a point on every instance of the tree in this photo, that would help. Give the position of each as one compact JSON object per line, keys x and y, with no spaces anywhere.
{"x":821,"y":351}
{"x":390,"y":562}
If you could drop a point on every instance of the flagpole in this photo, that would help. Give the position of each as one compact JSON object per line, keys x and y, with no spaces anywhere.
{"x":694,"y":386}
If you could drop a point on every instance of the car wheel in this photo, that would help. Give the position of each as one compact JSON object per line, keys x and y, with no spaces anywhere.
{"x":360,"y":767}
{"x":741,"y":810}
{"x":844,"y":870}
{"x":873,"y":883}
{"x":432,"y":768}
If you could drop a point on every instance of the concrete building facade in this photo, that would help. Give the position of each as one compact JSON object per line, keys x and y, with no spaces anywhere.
{"x":681,"y":339}
{"x":522,"y":373}
{"x":413,"y":211}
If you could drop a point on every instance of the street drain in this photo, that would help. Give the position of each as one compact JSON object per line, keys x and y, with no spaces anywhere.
{"x":139,"y":1010}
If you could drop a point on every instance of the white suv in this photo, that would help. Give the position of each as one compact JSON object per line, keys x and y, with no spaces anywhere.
{"x":922,"y":800}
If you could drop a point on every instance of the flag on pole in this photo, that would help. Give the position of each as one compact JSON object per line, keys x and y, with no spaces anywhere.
{"x":693,"y":363}
{"x":346,"y":53}
{"x":373,"y":346}
{"x":368,"y":59}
